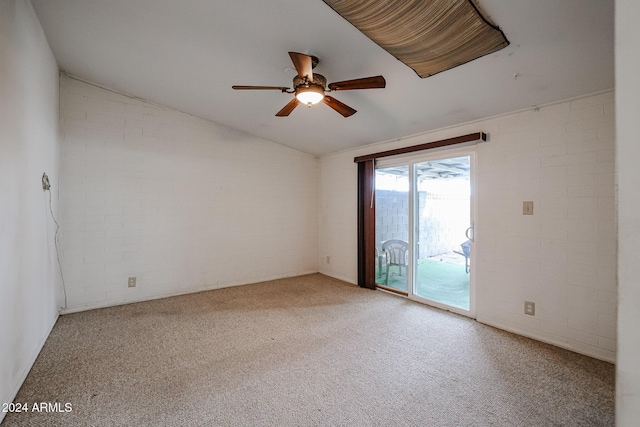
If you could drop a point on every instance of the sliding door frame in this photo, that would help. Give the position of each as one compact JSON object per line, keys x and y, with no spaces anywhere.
{"x":366,"y":204}
{"x":414,"y":225}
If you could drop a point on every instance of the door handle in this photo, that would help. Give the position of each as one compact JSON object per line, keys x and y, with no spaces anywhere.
{"x":466,"y":233}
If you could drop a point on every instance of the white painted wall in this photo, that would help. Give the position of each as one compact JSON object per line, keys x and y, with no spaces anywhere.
{"x":179,"y":202}
{"x":628,"y":178}
{"x":29,"y":146}
{"x":563,"y":257}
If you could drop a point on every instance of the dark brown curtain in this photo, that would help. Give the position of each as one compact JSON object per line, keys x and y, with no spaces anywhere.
{"x":366,"y":224}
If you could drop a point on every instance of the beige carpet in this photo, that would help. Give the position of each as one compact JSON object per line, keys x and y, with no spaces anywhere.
{"x":306,"y":351}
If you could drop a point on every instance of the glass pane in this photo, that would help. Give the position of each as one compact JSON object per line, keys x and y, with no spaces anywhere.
{"x":392,"y":227}
{"x":443,"y":216}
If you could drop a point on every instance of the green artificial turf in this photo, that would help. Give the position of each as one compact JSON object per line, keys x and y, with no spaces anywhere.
{"x":437,"y":280}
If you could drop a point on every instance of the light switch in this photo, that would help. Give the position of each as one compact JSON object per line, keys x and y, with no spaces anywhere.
{"x":527,"y":208}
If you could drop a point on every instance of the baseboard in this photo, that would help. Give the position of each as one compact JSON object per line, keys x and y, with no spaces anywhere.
{"x":186,"y":291}
{"x":565,"y":343}
{"x":27,"y":368}
{"x":342,"y":278}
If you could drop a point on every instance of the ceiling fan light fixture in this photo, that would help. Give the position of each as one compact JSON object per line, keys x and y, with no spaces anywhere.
{"x":310,"y":95}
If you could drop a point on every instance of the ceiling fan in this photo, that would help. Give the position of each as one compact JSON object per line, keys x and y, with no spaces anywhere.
{"x":310,"y":88}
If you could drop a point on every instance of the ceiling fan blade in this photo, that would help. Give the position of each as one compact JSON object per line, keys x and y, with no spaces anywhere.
{"x":288,"y":108}
{"x":341,"y":108}
{"x":377,"y":82}
{"x":282,"y":89}
{"x":303,"y":64}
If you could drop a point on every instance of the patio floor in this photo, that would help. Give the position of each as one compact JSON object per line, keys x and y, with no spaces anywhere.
{"x":441,"y":278}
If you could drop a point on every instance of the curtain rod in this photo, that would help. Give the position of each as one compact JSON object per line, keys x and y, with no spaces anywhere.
{"x":435,"y":144}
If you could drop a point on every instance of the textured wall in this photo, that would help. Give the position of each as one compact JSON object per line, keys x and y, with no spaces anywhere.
{"x":563,"y":257}
{"x":628,"y":177}
{"x":29,"y":146}
{"x":181,"y":203}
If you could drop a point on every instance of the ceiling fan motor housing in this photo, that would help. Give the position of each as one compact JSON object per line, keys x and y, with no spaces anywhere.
{"x":318,"y":80}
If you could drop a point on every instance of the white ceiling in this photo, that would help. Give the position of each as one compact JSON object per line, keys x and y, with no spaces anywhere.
{"x":187,"y":54}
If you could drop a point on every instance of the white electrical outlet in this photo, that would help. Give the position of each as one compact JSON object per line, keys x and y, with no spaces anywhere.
{"x":530,"y":308}
{"x":132,"y":282}
{"x":328,"y":259}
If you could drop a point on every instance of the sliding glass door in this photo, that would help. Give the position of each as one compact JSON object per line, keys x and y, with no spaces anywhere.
{"x":424,"y":229}
{"x":442,"y":231}
{"x":392,"y":228}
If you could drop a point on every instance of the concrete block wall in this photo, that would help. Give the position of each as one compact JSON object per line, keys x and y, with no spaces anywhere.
{"x":180,"y":203}
{"x":561,"y":157}
{"x":441,"y":226}
{"x":564,"y":256}
{"x":337,"y":226}
{"x":392,"y":216}
{"x":443,"y":222}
